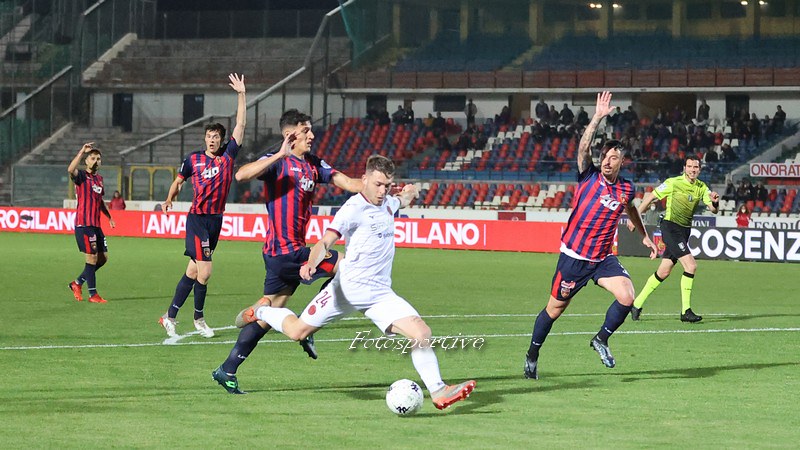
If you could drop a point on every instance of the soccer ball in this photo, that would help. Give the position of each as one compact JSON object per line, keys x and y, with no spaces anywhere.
{"x":404,"y":397}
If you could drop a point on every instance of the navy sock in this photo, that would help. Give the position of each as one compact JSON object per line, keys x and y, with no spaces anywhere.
{"x":181,"y":294}
{"x":245,"y":344}
{"x":541,"y":328}
{"x":615,"y":316}
{"x":199,"y":299}
{"x":81,"y":278}
{"x":91,"y":281}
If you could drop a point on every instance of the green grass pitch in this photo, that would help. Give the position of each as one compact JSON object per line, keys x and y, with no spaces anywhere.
{"x":80,"y":375}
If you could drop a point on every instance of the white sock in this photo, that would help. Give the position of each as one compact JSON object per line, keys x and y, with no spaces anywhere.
{"x":274,"y":316}
{"x":427,"y":366}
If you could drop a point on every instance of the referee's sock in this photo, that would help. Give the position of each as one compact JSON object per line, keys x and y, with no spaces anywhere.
{"x":687,"y":280}
{"x":652,"y":283}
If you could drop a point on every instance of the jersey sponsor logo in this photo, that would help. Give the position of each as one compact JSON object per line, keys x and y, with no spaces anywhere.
{"x":306,"y":184}
{"x":609,"y":202}
{"x":97,"y":188}
{"x":566,"y":288}
{"x":210,"y":172}
{"x":295,"y":169}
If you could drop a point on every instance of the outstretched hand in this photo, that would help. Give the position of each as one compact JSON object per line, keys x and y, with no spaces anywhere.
{"x":237,"y":82}
{"x":603,"y":107}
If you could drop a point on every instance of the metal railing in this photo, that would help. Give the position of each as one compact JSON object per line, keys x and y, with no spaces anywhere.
{"x":316,"y":56}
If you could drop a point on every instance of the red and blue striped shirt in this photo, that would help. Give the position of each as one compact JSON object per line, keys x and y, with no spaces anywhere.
{"x":211,"y":178}
{"x":289,"y":186}
{"x":597,"y":207}
{"x":89,"y":190}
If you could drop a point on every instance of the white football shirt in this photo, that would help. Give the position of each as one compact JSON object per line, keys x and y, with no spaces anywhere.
{"x":368,"y":231}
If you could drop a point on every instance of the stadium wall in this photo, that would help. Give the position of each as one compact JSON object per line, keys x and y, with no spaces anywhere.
{"x":165,"y":108}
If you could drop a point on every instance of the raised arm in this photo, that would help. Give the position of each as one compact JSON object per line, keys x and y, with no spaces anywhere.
{"x":257,"y":168}
{"x":408,"y":194}
{"x":72,"y":169}
{"x":354,"y":185}
{"x":636,"y":218}
{"x":237,"y":84}
{"x":318,"y":252}
{"x":602,"y":109}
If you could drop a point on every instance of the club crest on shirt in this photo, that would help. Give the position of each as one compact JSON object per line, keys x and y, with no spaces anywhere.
{"x":566,"y":288}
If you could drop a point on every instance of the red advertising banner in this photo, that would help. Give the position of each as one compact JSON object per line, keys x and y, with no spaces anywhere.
{"x":500,"y":235}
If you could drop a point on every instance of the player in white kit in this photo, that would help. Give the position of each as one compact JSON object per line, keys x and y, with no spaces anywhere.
{"x":364,"y":280}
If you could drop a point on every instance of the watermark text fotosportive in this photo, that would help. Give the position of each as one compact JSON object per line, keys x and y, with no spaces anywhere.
{"x":404,"y":345}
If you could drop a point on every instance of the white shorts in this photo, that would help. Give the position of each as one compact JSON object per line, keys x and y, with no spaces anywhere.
{"x":380,"y":304}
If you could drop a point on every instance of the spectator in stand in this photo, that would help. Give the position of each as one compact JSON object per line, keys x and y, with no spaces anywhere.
{"x":761,"y":192}
{"x":744,"y":193}
{"x":676,"y":115}
{"x":743,"y":217}
{"x":117,"y":202}
{"x":408,"y":116}
{"x":566,"y":116}
{"x":729,"y":154}
{"x":552,"y":116}
{"x":630,"y":116}
{"x":504,"y":118}
{"x":399,"y":116}
{"x":542,"y":111}
{"x":470,"y":111}
{"x":659,"y":118}
{"x":615,"y":117}
{"x":778,"y":119}
{"x":703,"y":111}
{"x":383,"y":117}
{"x":767,"y":126}
{"x":428,"y":121}
{"x":754,"y":128}
{"x":439,"y":124}
{"x":730,"y":191}
{"x":711,"y":156}
{"x":583,"y":118}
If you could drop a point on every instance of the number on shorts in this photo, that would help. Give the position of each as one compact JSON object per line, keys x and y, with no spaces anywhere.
{"x":323,"y":299}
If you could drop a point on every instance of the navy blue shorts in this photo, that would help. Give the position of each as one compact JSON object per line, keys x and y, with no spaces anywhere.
{"x":283,"y":271}
{"x":573,"y":274}
{"x":91,"y":240}
{"x":202,"y":234}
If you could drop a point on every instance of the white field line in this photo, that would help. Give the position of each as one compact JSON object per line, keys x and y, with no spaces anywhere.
{"x":177,"y":340}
